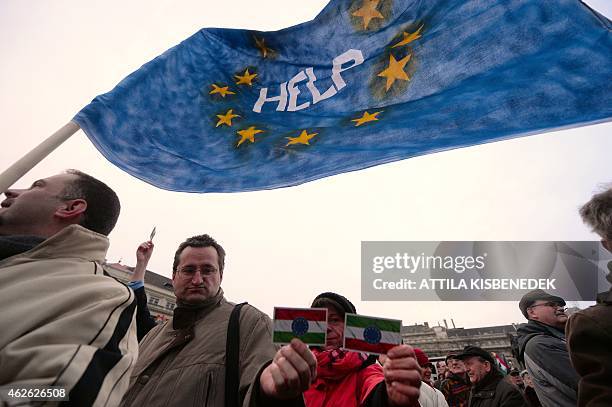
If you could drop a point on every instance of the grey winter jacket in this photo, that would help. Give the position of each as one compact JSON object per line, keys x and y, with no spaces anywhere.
{"x":544,"y":351}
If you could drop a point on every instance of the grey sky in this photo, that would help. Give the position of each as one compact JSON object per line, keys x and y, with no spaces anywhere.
{"x":284,"y":246}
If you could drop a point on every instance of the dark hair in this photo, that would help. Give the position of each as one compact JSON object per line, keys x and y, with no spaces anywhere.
{"x":200,"y":241}
{"x":597,"y":213}
{"x":103,"y":205}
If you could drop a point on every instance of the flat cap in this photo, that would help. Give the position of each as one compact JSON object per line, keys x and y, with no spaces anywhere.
{"x":470,"y":351}
{"x":532,"y":296}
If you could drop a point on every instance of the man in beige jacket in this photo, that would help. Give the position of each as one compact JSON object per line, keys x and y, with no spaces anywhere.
{"x":63,"y":322}
{"x":184,"y":361}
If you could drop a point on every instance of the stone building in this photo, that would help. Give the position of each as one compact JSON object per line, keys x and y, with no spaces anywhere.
{"x":439,"y":341}
{"x":160,"y":295}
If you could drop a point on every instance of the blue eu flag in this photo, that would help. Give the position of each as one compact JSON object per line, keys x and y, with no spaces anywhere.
{"x":364,"y":83}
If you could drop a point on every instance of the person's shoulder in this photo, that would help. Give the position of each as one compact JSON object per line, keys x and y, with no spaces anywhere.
{"x":249,"y":315}
{"x":595,"y":312}
{"x":595,"y":320}
{"x":250,"y":311}
{"x":507,"y":388}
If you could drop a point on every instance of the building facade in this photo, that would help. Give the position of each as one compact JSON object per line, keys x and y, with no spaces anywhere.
{"x":160,"y":295}
{"x":439,"y":341}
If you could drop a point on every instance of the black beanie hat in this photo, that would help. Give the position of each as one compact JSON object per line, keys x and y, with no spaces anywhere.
{"x":341,"y":302}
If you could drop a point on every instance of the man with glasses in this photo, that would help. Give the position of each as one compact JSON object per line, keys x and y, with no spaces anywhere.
{"x":543,"y":349}
{"x":186,"y":360}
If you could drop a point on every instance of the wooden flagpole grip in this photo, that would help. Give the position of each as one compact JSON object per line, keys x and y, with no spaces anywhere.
{"x":28,"y":161}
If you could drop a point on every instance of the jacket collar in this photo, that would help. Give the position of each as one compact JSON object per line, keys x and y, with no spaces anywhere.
{"x":487,"y":385}
{"x":186,"y":315}
{"x":73,"y":241}
{"x":540,"y":328}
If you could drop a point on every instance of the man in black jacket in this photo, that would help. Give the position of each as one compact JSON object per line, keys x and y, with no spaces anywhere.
{"x":543,"y":349}
{"x":489,"y":389}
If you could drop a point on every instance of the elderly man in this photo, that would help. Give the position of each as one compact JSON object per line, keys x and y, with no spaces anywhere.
{"x":208,"y":354}
{"x":456,"y":386}
{"x":543,"y":349}
{"x":64,"y":323}
{"x":589,"y":332}
{"x":489,"y":389}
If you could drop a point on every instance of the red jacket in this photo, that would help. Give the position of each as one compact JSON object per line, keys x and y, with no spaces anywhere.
{"x":342,"y":380}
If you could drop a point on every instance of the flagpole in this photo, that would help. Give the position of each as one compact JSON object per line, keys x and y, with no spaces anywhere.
{"x":28,"y":161}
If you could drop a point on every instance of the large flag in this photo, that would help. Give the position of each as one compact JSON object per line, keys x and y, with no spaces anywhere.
{"x":364,"y":83}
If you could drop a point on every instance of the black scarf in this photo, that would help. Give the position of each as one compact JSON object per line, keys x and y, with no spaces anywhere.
{"x":186,"y":315}
{"x":13,"y":245}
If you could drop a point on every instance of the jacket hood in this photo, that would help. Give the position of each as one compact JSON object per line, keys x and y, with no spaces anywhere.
{"x":527,"y":331}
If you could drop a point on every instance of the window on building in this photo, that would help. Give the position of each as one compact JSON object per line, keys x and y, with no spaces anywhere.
{"x":170,"y":305}
{"x":153,"y":301}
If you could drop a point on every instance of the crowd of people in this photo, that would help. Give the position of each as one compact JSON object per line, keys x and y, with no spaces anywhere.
{"x":67,"y":323}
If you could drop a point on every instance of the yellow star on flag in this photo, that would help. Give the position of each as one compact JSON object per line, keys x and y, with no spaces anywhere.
{"x":409,"y":37}
{"x":221,"y":90}
{"x":261,"y":44}
{"x":245,"y":78}
{"x":303,"y":138}
{"x":248,"y":134}
{"x":367,"y":117}
{"x":368,"y":12}
{"x":395,"y":70}
{"x":226,"y":118}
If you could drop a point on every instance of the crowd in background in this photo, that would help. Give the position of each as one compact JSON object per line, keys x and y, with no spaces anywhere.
{"x":67,"y":323}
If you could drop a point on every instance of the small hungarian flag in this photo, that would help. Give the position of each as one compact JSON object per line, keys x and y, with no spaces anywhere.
{"x":371,"y":334}
{"x":307,"y":324}
{"x":501,"y":363}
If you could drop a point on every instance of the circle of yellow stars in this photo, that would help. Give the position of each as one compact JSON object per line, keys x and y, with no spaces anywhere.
{"x":394,"y":71}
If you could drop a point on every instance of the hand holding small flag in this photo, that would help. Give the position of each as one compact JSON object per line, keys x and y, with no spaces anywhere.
{"x":291,"y":372}
{"x":402,"y":376}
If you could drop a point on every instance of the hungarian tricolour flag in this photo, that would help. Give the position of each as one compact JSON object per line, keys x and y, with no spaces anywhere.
{"x":371,"y":334}
{"x":307,"y":324}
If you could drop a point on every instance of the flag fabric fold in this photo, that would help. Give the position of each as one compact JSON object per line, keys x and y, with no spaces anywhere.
{"x":364,"y":83}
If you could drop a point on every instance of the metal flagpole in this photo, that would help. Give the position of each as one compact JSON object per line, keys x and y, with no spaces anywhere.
{"x":28,"y":161}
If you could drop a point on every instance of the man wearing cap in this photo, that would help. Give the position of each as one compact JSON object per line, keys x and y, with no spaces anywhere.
{"x":589,"y":332}
{"x":353,"y":379}
{"x":489,"y":389}
{"x":543,"y":349}
{"x":456,"y":387}
{"x":515,"y":378}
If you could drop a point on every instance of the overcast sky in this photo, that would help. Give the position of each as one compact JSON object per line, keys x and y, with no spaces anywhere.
{"x":58,"y":55}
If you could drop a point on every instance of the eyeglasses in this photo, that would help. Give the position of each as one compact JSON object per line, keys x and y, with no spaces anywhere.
{"x":189,"y":272}
{"x":552,"y":304}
